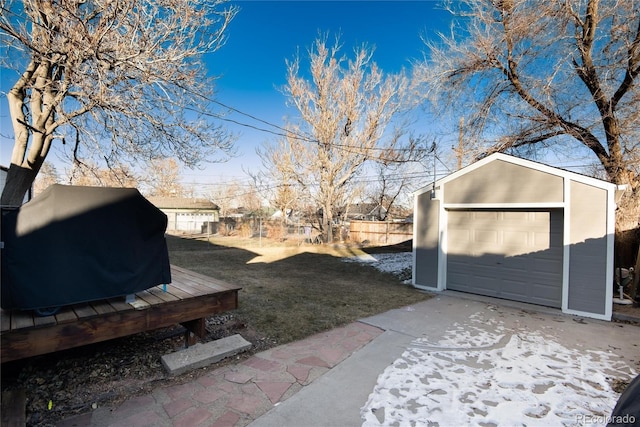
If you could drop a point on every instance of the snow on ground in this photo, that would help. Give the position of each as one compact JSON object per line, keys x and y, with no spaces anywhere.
{"x":481,"y":373}
{"x":484,"y":374}
{"x":394,"y":263}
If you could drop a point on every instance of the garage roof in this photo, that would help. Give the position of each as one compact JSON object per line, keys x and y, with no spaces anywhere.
{"x":520,"y":162}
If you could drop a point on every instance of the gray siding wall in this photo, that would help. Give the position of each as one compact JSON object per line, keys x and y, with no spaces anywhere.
{"x":3,"y":178}
{"x":426,"y":244}
{"x":588,"y":249}
{"x":503,"y":182}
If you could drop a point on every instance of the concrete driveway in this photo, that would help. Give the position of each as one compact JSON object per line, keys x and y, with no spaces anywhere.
{"x":459,"y":360}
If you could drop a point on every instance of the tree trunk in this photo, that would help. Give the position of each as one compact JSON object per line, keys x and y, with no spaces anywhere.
{"x":327,"y":219}
{"x":18,"y":183}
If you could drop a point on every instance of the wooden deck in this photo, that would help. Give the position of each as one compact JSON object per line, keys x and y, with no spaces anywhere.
{"x":188,"y":300}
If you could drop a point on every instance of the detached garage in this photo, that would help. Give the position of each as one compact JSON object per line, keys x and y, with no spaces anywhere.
{"x":515,"y":229}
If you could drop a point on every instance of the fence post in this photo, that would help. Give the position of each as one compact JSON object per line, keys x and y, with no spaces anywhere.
{"x":386,"y":237}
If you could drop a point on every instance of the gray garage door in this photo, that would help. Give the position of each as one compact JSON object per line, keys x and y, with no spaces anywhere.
{"x":511,"y":254}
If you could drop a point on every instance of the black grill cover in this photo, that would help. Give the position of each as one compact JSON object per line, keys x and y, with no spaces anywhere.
{"x":627,"y":410}
{"x":75,"y":244}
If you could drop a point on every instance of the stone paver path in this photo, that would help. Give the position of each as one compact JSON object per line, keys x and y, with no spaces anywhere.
{"x":235,"y":395}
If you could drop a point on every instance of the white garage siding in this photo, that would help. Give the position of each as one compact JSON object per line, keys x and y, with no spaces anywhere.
{"x":514,"y":254}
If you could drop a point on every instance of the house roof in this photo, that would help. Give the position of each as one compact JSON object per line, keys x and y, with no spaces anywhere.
{"x":182,"y":203}
{"x":365,"y":208}
{"x":521,"y":162}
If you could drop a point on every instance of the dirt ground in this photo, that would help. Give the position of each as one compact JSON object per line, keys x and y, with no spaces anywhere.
{"x":632,"y":310}
{"x":75,"y":381}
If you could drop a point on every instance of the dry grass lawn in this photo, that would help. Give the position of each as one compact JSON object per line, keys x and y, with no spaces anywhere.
{"x":289,"y":291}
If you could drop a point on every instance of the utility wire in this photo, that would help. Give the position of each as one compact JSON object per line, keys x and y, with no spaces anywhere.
{"x":284,"y":132}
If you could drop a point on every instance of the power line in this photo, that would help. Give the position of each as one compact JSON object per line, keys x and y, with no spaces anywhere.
{"x":284,"y":132}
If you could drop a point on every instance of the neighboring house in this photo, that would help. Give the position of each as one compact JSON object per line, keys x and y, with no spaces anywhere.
{"x":242,"y":212}
{"x":520,"y":230}
{"x":187,"y":214}
{"x":366,"y":212}
{"x":287,"y":215}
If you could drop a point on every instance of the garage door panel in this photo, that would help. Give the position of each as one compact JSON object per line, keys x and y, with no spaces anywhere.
{"x":459,"y":237}
{"x":541,"y":265}
{"x":516,"y":293}
{"x":514,"y":238}
{"x":514,"y":287}
{"x":489,"y":237}
{"x":543,"y":292}
{"x":459,"y":219}
{"x":458,"y":273}
{"x":508,"y":254}
{"x":512,"y":275}
{"x":484,"y":286}
{"x":542,"y":240}
{"x":514,"y":215}
{"x":518,"y":264}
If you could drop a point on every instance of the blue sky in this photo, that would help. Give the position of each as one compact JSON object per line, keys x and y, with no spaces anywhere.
{"x":265,"y":34}
{"x":251,"y":65}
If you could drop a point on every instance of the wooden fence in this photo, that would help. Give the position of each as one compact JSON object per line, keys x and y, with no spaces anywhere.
{"x":380,"y":232}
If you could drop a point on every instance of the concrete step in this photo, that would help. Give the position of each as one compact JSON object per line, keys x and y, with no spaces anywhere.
{"x":201,"y":355}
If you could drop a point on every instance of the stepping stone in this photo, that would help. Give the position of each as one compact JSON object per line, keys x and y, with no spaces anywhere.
{"x":201,"y":355}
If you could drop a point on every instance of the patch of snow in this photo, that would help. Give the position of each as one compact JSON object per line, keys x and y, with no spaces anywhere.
{"x":481,"y":373}
{"x":394,"y":263}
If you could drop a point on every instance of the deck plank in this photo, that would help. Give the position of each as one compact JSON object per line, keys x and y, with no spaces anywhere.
{"x":205,"y":279}
{"x":44,"y":320}
{"x":179,"y":292}
{"x":119,"y":304}
{"x":163,"y":295}
{"x":149,"y":298}
{"x":198,"y":281}
{"x":102,"y":307}
{"x":185,"y":285}
{"x":189,"y":299}
{"x":66,"y":315}
{"x":22,"y":319}
{"x":139,"y":304}
{"x":84,"y":310}
{"x":201,"y":281}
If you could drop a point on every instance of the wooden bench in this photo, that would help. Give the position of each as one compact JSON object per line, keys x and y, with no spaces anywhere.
{"x":188,"y":300}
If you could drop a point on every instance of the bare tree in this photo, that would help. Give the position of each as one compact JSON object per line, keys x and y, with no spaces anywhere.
{"x":345,"y":108}
{"x":48,"y":176}
{"x":544,"y":74}
{"x":115,"y":79}
{"x":277,"y":185}
{"x":392,"y":181}
{"x":229,"y":195}
{"x":92,"y":175}
{"x":163,"y":179}
{"x":250,"y":199}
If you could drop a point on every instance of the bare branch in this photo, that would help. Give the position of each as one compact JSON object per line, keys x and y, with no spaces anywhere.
{"x":346,"y":106}
{"x":127,"y":74}
{"x":543,"y":73}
